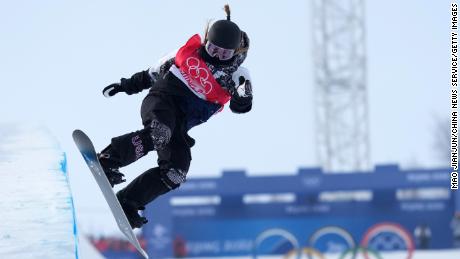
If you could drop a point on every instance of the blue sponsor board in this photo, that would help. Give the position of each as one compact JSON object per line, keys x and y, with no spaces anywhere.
{"x":234,"y":215}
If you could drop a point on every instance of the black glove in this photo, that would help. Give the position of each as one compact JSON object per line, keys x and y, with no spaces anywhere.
{"x":243,"y":93}
{"x":112,"y":89}
{"x":241,"y":101}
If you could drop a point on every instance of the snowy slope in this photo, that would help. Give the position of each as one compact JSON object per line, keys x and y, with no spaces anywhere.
{"x":36,"y":208}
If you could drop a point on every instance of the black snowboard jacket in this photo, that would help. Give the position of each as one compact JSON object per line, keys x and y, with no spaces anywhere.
{"x":160,"y":81}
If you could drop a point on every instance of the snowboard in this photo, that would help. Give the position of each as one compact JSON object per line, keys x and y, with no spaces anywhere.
{"x":88,"y":152}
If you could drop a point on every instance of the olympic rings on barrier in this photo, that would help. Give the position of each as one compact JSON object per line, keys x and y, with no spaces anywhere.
{"x":393,"y":228}
{"x":332,"y":230}
{"x":356,"y":250}
{"x":276,"y":232}
{"x":343,"y":233}
{"x":310,"y":251}
{"x":306,"y":250}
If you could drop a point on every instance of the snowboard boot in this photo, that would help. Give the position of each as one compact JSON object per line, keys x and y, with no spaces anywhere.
{"x":140,"y":192}
{"x":110,"y":164}
{"x":131,"y":210}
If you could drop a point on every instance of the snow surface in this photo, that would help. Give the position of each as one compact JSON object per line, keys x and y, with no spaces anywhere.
{"x":37,"y":218}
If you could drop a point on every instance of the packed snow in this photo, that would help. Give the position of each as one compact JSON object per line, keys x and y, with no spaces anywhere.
{"x":37,"y":218}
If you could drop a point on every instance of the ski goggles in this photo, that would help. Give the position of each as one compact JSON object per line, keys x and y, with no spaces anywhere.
{"x":216,"y":51}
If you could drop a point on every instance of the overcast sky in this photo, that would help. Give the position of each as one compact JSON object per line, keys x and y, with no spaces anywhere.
{"x":56,"y":56}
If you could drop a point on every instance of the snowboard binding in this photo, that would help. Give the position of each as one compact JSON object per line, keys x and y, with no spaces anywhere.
{"x":110,"y":169}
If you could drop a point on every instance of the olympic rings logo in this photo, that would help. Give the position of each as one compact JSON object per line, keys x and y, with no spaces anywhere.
{"x":394,"y":228}
{"x":368,"y":247}
{"x":198,"y":74}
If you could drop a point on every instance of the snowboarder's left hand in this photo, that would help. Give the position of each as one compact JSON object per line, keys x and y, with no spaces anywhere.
{"x":244,"y":90}
{"x":241,"y":101}
{"x":112,"y":89}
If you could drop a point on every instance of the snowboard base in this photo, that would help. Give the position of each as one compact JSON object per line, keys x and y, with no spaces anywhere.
{"x":88,"y":152}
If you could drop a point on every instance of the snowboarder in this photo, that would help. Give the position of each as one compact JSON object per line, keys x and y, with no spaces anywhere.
{"x":186,"y":89}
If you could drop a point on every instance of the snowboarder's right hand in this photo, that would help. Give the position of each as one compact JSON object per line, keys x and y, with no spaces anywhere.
{"x":112,"y":89}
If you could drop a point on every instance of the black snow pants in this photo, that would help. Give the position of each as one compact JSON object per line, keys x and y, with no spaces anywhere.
{"x":164,"y":131}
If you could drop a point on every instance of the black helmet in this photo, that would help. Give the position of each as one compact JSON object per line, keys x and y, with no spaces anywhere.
{"x":225,"y":34}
